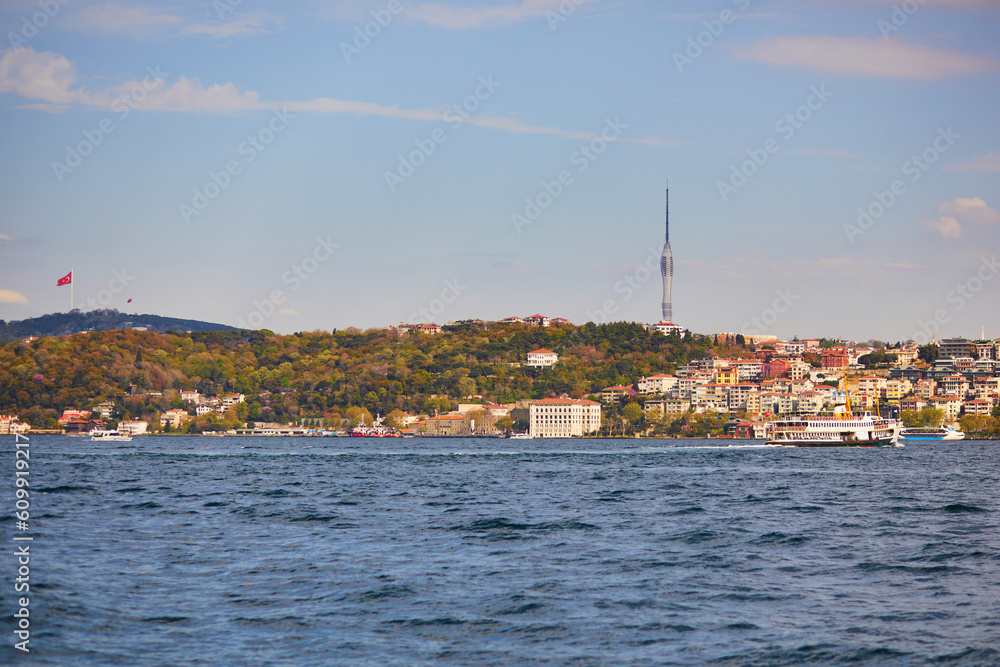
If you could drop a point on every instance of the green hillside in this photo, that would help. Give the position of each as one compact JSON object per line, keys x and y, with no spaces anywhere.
{"x":323,"y":374}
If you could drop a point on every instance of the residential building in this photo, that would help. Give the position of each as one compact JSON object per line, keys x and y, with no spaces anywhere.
{"x":229,"y":400}
{"x":175,"y":418}
{"x":612,"y":394}
{"x":657,"y":384}
{"x":666,"y":328}
{"x":951,"y":405}
{"x":542,"y":358}
{"x":670,"y":406}
{"x":810,"y":402}
{"x":978,"y":407}
{"x":538,"y":320}
{"x":70,"y":414}
{"x":728,"y":375}
{"x":871,"y":384}
{"x":190,"y":396}
{"x":203,"y":410}
{"x":739,"y":395}
{"x":133,"y":427}
{"x":425,"y":327}
{"x":104,"y":409}
{"x":10,"y":424}
{"x":956,"y":347}
{"x":564,"y":418}
{"x":912,"y":403}
{"x":953,"y":385}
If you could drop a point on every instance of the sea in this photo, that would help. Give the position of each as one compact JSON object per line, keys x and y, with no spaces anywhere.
{"x":356,"y":551}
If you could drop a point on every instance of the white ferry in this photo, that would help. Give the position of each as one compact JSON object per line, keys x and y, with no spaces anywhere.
{"x":838,"y":429}
{"x":110,"y":436}
{"x":931,"y":434}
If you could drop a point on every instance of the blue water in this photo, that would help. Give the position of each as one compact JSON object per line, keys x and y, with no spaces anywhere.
{"x":295,"y":551}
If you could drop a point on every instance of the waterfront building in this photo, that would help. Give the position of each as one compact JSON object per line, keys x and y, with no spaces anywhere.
{"x":563,"y":418}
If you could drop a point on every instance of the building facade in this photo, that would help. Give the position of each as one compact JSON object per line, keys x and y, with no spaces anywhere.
{"x":563,"y":418}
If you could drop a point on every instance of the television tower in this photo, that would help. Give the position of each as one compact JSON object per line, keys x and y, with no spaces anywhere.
{"x":667,"y":268}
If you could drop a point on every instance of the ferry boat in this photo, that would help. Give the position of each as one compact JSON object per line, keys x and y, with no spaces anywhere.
{"x":931,"y":433}
{"x":522,"y":436}
{"x":841,"y":428}
{"x":110,"y":436}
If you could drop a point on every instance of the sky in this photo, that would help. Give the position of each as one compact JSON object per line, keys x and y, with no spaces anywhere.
{"x":834,"y":165}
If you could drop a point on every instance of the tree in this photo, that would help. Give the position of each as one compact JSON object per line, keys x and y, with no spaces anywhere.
{"x":928,"y":353}
{"x":632,"y":412}
{"x":396,"y":419}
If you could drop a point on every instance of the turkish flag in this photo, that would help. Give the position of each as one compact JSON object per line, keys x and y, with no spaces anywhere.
{"x":65,"y":280}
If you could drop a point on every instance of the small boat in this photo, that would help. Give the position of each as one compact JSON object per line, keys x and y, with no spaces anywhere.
{"x":110,"y":436}
{"x":522,"y":436}
{"x":930,"y":433}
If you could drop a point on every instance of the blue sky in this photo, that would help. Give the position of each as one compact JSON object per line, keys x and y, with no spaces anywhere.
{"x":834,"y":164}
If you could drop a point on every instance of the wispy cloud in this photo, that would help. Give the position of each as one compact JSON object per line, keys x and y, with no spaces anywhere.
{"x":863,"y":56}
{"x":134,"y":20}
{"x":840,"y":154}
{"x":975,"y":5}
{"x":51,"y":82}
{"x":10,"y":296}
{"x":758,"y":265}
{"x":981,"y":164}
{"x":454,"y":17}
{"x":140,"y":21}
{"x":238,"y":25}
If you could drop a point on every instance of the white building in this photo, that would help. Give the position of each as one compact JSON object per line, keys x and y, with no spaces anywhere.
{"x":542,"y":358}
{"x":657,"y":384}
{"x":190,"y":396}
{"x":666,"y":328}
{"x":230,"y":400}
{"x":133,"y":427}
{"x":563,"y":418}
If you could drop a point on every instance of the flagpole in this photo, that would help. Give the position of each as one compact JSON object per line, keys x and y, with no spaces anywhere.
{"x":71,"y":290}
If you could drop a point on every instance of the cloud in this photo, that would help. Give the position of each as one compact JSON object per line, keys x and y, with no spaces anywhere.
{"x":238,"y":25}
{"x":863,"y":56}
{"x":972,"y":210}
{"x":963,"y":210}
{"x":6,"y":238}
{"x":937,"y":4}
{"x":135,"y":20}
{"x":829,"y":153}
{"x":758,"y":265}
{"x":288,"y":311}
{"x":8,"y":296}
{"x":947,"y":227}
{"x":51,"y":81}
{"x":981,"y":164}
{"x":496,"y":16}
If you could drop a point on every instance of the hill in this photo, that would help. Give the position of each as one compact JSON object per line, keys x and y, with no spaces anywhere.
{"x":326,"y":374}
{"x":75,"y":321}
